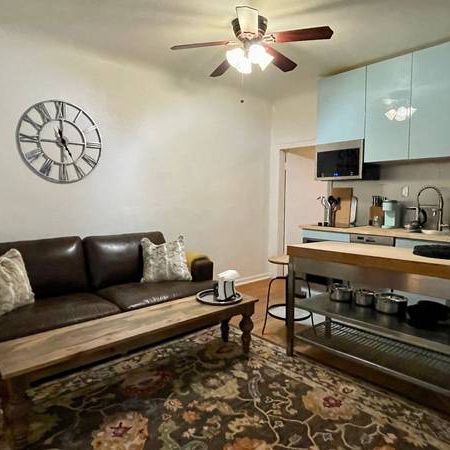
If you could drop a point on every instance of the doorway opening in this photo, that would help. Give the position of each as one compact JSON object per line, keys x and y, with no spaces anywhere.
{"x":299,"y":192}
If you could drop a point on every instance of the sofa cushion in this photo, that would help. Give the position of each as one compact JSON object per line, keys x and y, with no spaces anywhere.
{"x":137,"y":295}
{"x":55,"y":267}
{"x":116,"y":259}
{"x":54,"y":312}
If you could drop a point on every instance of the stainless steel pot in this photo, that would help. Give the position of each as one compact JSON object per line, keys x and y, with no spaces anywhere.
{"x":364,"y":297}
{"x":340,"y":293}
{"x":389,"y":303}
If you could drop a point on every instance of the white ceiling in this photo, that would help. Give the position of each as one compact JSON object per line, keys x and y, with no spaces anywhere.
{"x":143,"y":31}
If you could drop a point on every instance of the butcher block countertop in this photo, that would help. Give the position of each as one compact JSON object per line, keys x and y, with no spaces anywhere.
{"x":373,"y":256}
{"x":375,"y":231}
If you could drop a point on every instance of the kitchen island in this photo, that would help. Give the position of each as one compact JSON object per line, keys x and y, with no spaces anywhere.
{"x":361,"y":334}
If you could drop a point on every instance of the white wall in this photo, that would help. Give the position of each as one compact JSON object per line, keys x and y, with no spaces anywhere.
{"x":295,"y":116}
{"x":178,"y":157}
{"x":293,"y":125}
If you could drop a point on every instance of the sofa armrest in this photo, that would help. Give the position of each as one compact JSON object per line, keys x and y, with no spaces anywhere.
{"x":202,"y":269}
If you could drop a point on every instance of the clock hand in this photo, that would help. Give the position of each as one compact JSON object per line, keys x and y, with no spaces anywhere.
{"x":60,"y":138}
{"x":59,"y":134}
{"x":57,"y":141}
{"x":68,"y":151}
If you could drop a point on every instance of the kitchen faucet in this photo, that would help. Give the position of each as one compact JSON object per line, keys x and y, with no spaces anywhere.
{"x":437,"y":209}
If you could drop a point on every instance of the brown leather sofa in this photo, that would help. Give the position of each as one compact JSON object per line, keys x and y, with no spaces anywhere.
{"x":76,"y":280}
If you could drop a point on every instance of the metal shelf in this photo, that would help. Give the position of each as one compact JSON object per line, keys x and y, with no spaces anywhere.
{"x":368,"y":319}
{"x":408,"y":362}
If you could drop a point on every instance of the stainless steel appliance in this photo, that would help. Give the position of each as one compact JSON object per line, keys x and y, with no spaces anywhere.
{"x":344,"y":161}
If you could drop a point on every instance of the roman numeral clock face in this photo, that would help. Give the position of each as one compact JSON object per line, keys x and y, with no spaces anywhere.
{"x":59,"y":141}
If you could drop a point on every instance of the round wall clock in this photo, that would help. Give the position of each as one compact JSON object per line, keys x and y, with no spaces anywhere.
{"x":59,"y":141}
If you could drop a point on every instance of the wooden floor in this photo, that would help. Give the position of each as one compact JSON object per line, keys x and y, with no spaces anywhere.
{"x":276,"y":332}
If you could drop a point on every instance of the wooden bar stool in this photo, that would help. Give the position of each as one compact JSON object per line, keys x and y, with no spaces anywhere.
{"x":278,"y":311}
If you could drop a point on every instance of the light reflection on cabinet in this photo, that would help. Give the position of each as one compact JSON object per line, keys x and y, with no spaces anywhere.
{"x":388,"y":110}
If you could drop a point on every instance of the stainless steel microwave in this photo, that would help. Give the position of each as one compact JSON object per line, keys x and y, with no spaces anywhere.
{"x":344,"y":161}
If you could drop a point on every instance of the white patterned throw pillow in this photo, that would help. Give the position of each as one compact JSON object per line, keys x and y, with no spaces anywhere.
{"x":165,"y":262}
{"x":15,"y":288}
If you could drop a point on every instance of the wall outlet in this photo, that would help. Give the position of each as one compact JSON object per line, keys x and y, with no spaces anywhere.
{"x":405,"y":191}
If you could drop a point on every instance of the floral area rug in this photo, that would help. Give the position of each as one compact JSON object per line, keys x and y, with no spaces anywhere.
{"x":198,"y":393}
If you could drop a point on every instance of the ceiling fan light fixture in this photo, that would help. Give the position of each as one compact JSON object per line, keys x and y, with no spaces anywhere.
{"x":245,"y":66}
{"x":236,"y":57}
{"x":265,"y":60}
{"x":258,"y":55}
{"x":256,"y":52}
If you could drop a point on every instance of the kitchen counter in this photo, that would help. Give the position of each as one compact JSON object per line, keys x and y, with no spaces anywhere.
{"x":375,"y":231}
{"x":372,"y":257}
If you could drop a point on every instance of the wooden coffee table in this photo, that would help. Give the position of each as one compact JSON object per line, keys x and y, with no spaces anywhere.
{"x":34,"y":357}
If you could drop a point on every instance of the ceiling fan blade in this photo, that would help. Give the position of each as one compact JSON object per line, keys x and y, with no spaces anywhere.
{"x":248,"y":19}
{"x":200,"y":44}
{"x":220,"y":70}
{"x":305,"y":34}
{"x":282,"y":62}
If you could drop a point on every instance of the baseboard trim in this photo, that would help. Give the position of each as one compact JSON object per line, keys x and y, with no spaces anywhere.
{"x":253,"y":278}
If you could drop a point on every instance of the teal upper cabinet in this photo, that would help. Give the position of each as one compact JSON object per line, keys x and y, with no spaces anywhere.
{"x":388,"y":100}
{"x":342,"y":100}
{"x":430,"y":123}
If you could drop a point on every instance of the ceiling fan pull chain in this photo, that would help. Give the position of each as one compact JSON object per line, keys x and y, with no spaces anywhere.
{"x":242,"y":88}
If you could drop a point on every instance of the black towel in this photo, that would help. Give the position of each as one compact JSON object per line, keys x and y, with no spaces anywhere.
{"x":433,"y":251}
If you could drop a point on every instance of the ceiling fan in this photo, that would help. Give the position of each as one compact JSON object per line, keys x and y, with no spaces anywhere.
{"x":252,"y":46}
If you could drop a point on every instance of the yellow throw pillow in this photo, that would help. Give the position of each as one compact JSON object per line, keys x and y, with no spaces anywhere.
{"x":15,"y":288}
{"x":193,"y":256}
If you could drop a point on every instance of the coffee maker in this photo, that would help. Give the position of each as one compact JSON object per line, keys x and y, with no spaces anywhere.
{"x":391,"y":211}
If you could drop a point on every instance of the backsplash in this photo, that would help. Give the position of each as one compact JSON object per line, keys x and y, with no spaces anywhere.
{"x":394,"y":177}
